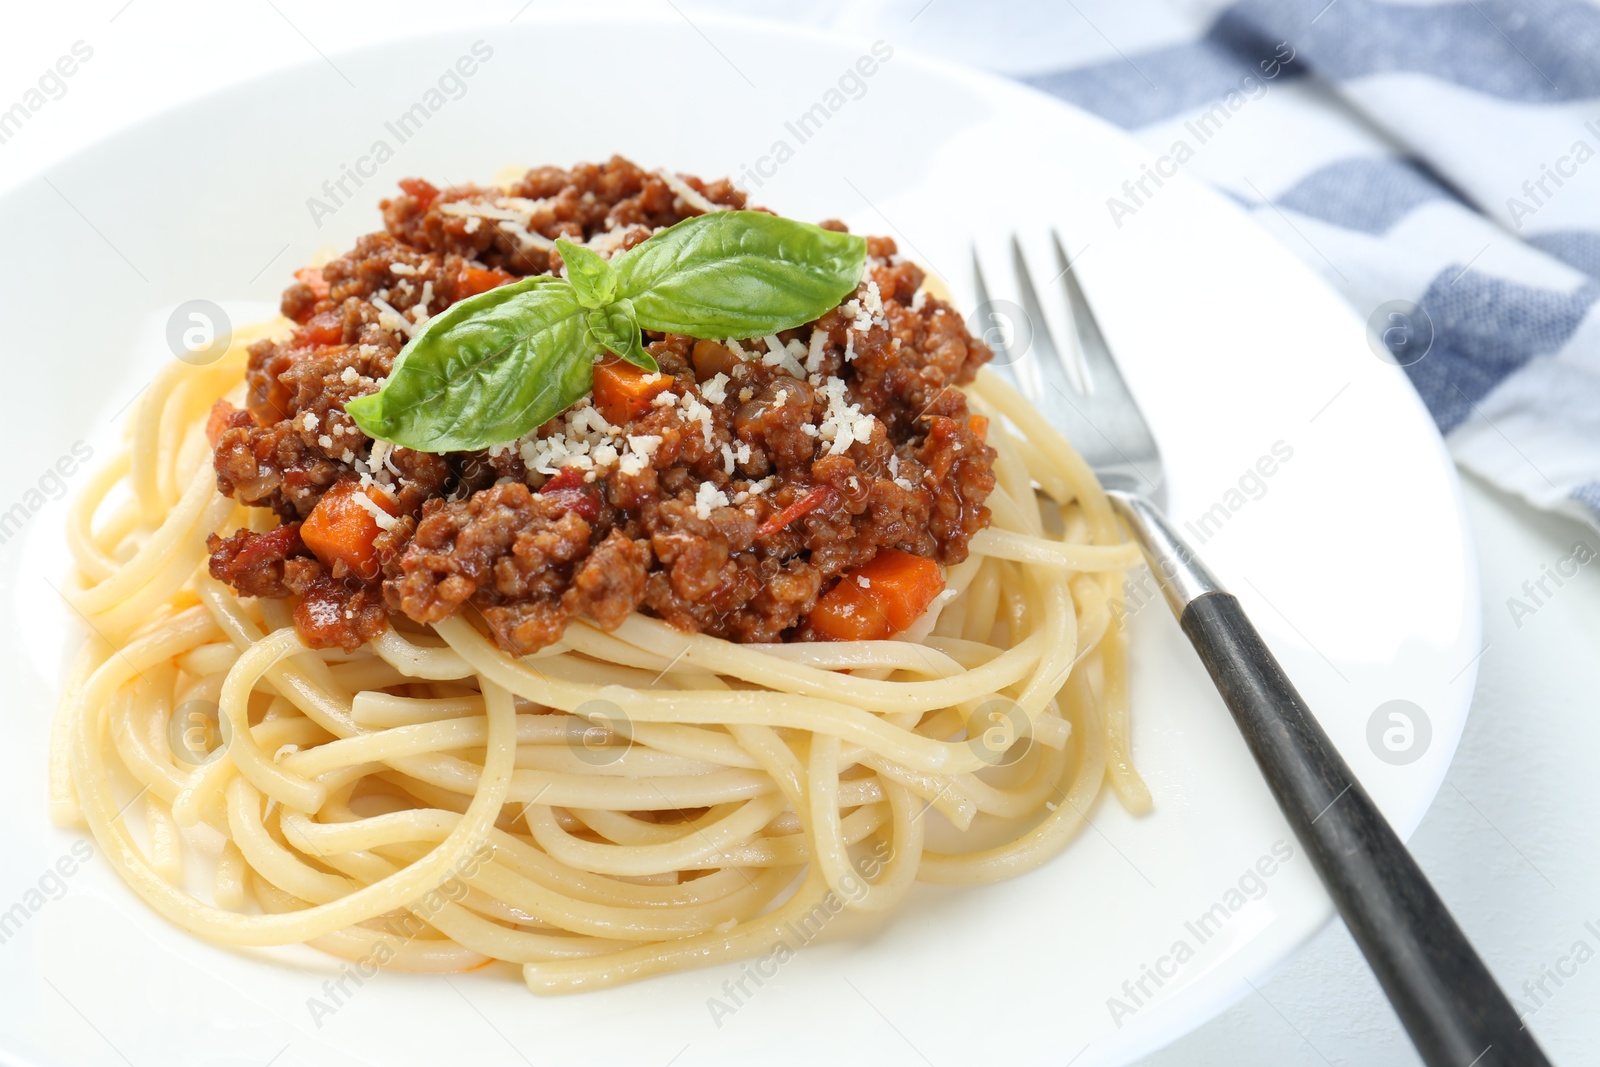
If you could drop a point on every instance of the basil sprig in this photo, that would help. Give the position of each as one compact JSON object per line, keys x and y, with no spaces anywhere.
{"x":496,"y":365}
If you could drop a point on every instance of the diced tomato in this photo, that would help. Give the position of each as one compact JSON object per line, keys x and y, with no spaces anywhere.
{"x":623,"y":392}
{"x":223,"y":416}
{"x":980,"y":426}
{"x":280,"y":542}
{"x":803,"y":506}
{"x":323,"y":328}
{"x":342,"y":529}
{"x":568,"y":488}
{"x":273,"y":404}
{"x":878,"y":599}
{"x":474,"y":280}
{"x":565,"y":478}
{"x":423,"y":192}
{"x":312,"y":276}
{"x":941,"y":431}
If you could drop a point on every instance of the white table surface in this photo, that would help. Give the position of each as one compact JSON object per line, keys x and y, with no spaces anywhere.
{"x":1507,"y":842}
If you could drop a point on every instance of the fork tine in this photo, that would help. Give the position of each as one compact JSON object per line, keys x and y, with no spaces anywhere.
{"x":996,"y":339}
{"x":1031,"y":258}
{"x":1042,"y":361}
{"x":1109,"y":405}
{"x":1043,"y":348}
{"x":1038,"y":376}
{"x":1098,"y":365}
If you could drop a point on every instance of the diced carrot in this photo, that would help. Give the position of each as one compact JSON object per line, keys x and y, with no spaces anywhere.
{"x":623,"y":392}
{"x":980,"y":426}
{"x":802,"y":506}
{"x":474,"y":280}
{"x":323,"y":328}
{"x":340,"y":529}
{"x":312,"y":276}
{"x":878,"y":599}
{"x":423,"y":192}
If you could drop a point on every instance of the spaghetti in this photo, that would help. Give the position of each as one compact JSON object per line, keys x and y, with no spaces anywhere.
{"x":618,"y":804}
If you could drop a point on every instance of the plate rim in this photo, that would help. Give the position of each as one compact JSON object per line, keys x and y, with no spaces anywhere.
{"x":1197,"y":1009}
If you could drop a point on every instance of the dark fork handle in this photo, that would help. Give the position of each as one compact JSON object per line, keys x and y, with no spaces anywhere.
{"x":1449,"y":1003}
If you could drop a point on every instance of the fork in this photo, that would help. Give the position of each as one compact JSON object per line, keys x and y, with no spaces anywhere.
{"x":1444,"y":995}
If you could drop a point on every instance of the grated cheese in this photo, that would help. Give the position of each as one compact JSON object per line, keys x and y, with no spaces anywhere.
{"x":688,"y":194}
{"x":526,"y":237}
{"x":390,"y":319}
{"x":843,"y":424}
{"x":694,"y":411}
{"x":420,"y":311}
{"x":894,"y":473}
{"x":707,"y":497}
{"x":583,"y":439}
{"x":872,"y":303}
{"x":609,"y":243}
{"x":384,"y":520}
{"x":716,"y":390}
{"x":778,"y":355}
{"x":815,"y":352}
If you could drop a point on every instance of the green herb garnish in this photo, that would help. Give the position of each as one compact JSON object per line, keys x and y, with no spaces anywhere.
{"x":494,"y":366}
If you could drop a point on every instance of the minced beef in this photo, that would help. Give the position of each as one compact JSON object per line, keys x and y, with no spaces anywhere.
{"x":748,"y":506}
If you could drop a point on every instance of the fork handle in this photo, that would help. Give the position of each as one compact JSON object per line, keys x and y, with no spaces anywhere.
{"x":1444,"y":995}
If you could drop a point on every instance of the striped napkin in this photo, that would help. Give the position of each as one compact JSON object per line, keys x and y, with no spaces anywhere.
{"x":1437,"y":161}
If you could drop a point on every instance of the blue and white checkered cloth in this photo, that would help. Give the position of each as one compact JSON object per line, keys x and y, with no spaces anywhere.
{"x":1441,"y":152}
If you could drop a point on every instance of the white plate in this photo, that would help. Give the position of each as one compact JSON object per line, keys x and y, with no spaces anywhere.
{"x":1353,"y":560}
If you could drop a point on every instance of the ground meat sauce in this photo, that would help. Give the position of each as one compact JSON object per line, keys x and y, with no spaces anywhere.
{"x":749,"y":487}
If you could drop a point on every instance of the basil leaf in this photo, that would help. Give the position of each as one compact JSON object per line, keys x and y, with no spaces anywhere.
{"x":589,"y":273}
{"x":485,"y":370}
{"x":739,"y":274}
{"x":614,"y":328}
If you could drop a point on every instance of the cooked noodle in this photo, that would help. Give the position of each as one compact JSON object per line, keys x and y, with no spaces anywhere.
{"x":618,"y":805}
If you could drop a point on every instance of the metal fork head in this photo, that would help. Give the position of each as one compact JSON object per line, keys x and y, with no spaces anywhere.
{"x":1099,"y":416}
